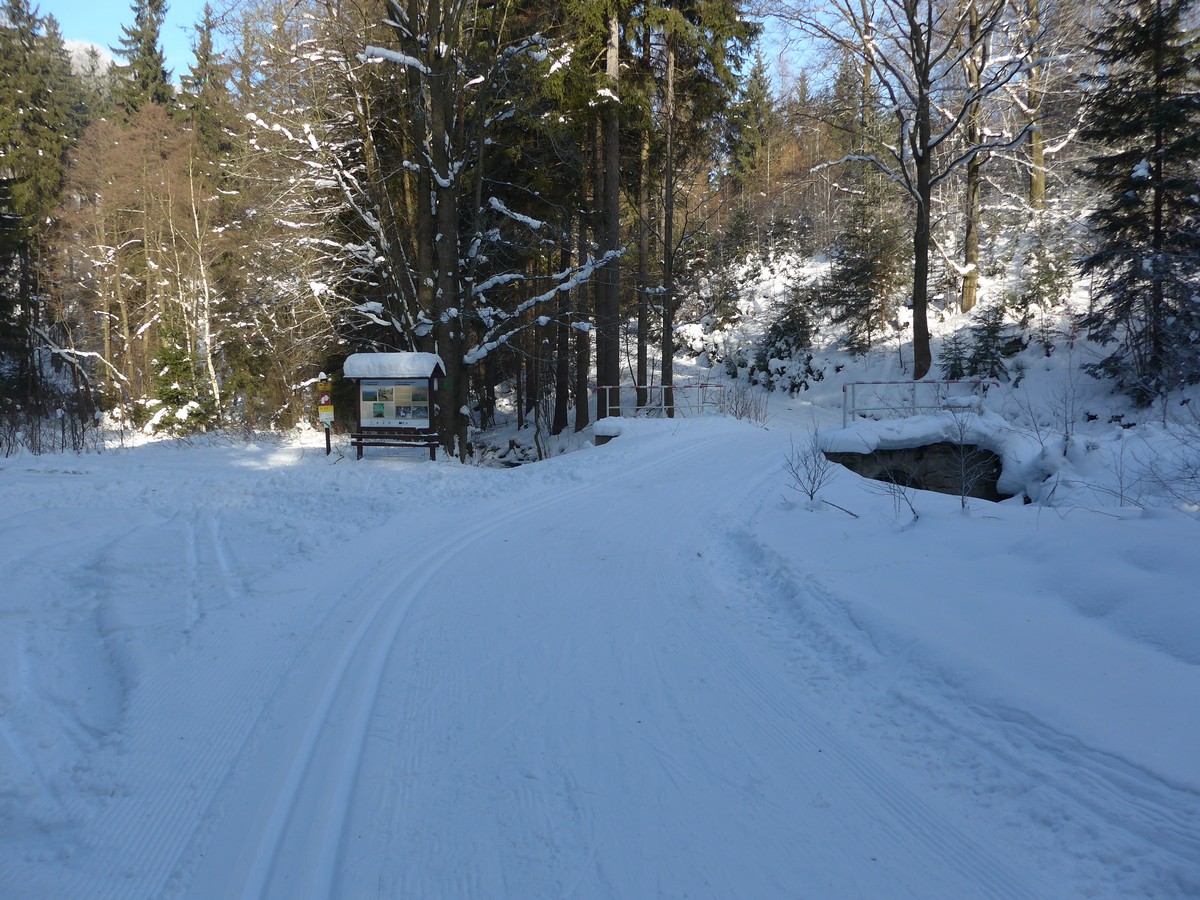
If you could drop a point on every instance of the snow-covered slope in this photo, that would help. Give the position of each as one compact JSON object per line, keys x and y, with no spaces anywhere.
{"x":645,"y":669}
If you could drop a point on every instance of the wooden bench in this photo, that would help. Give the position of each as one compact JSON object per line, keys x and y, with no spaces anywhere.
{"x":395,"y":437}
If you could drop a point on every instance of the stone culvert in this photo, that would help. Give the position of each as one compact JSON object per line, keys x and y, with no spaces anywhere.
{"x":955,"y":469}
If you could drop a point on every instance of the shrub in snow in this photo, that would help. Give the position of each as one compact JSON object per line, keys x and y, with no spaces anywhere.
{"x":993,"y":340}
{"x":953,"y":361}
{"x":785,"y":359}
{"x":1044,"y":270}
{"x":179,"y":393}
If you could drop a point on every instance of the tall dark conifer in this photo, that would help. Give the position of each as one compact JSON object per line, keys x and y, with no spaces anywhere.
{"x":206,"y":97}
{"x":1145,"y":122}
{"x":144,"y":78}
{"x":40,"y":116}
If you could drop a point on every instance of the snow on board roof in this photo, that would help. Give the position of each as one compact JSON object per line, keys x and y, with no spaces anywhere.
{"x":393,"y":365}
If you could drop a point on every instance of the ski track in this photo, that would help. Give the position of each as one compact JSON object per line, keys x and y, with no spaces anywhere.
{"x":357,"y":677}
{"x":306,"y":772}
{"x":1126,"y":832}
{"x":871,"y":786}
{"x":136,"y":838}
{"x":547,"y":795}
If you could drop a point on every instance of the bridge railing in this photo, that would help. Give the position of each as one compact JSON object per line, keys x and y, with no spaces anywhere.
{"x":907,"y":398}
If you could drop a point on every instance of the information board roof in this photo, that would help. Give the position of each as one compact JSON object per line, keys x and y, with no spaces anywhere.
{"x":393,"y":365}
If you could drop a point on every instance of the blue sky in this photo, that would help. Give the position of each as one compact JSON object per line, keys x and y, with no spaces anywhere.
{"x":100,"y":22}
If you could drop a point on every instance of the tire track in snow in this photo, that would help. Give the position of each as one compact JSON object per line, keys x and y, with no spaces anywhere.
{"x":356,"y":676}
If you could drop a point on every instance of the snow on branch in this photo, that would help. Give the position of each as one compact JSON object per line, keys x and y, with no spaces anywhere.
{"x":73,"y":356}
{"x":403,"y":59}
{"x":567,"y":280}
{"x":498,"y":205}
{"x":496,"y":281}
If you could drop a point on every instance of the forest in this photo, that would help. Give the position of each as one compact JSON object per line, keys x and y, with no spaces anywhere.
{"x":551,"y":195}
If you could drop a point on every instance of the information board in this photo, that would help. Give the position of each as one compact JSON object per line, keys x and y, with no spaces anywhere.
{"x":394,"y":403}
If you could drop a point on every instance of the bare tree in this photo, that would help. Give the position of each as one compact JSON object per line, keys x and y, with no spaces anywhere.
{"x":810,"y":469}
{"x":916,"y":51}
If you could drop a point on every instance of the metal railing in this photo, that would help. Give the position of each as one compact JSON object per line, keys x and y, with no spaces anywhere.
{"x":906,"y":396}
{"x":690,"y":398}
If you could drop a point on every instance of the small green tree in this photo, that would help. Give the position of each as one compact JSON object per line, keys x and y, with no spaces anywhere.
{"x":993,"y":340}
{"x":1046,"y":270}
{"x":785,"y":358}
{"x":868,"y":268}
{"x":183,"y":407}
{"x":953,"y":363}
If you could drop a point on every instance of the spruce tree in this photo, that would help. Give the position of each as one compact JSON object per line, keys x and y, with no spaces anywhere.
{"x":993,"y":340}
{"x":751,"y":127}
{"x":953,"y":361}
{"x":868,"y":268}
{"x":40,"y":117}
{"x":206,"y":99}
{"x":1145,"y":122}
{"x":144,"y":78}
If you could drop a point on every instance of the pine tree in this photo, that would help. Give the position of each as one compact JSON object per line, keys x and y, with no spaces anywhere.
{"x":992,"y":342}
{"x":752,"y":120}
{"x":144,"y":78}
{"x":752,"y":126}
{"x":40,"y":112}
{"x":1145,"y":121}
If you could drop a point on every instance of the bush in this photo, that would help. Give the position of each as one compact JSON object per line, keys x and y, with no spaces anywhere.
{"x":785,"y":358}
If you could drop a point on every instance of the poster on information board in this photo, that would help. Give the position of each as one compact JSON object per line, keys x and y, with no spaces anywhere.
{"x":394,"y":403}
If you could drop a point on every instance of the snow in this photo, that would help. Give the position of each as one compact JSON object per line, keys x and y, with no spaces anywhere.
{"x":233,"y":668}
{"x":395,"y":56}
{"x":498,"y":205}
{"x":392,"y":365}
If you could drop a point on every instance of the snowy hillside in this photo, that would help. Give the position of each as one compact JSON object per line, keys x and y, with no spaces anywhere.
{"x":644,"y":669}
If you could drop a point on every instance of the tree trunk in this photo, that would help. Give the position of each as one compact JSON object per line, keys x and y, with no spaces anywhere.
{"x":643,"y":279}
{"x":205,"y":312}
{"x":920,"y":33}
{"x":608,"y":351}
{"x":668,"y":297}
{"x":452,"y":396}
{"x":1035,"y":98}
{"x":974,"y":63}
{"x":562,"y":339}
{"x":583,"y":342}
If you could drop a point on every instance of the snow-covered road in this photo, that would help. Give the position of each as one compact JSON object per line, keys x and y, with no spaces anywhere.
{"x":632,"y":671}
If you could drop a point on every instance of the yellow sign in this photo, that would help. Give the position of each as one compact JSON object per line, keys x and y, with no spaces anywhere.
{"x":325,"y":402}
